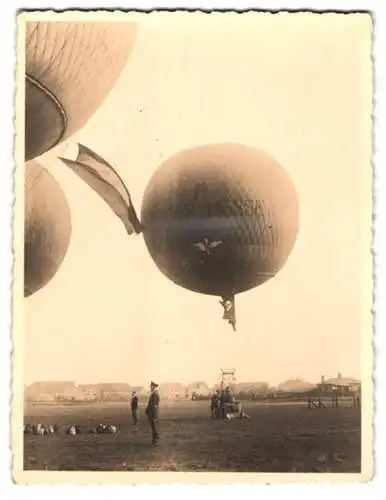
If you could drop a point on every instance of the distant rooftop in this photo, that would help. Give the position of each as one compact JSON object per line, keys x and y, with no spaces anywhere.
{"x":295,"y":385}
{"x":50,"y":386}
{"x":342,"y":381}
{"x":171,"y":385}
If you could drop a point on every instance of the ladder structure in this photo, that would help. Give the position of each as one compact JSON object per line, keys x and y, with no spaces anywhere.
{"x":228,"y":378}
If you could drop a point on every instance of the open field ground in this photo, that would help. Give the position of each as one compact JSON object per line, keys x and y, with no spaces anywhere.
{"x":277,"y":438}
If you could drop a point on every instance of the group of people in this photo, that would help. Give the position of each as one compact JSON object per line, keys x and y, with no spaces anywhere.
{"x":218,"y":402}
{"x":223,"y":405}
{"x":151,"y":410}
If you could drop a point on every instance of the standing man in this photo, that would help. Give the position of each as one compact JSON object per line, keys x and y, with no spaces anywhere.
{"x":134,"y":407}
{"x":227,"y":395}
{"x":222,"y":403}
{"x":213,"y":406}
{"x":152,"y":411}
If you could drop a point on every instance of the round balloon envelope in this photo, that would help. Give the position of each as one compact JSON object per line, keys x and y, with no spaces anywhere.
{"x":70,"y":69}
{"x":220,"y":219}
{"x":47,"y":227}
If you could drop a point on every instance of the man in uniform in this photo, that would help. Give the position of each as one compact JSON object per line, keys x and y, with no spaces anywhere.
{"x":152,"y":411}
{"x":134,"y":407}
{"x":214,"y":402}
{"x":222,"y":404}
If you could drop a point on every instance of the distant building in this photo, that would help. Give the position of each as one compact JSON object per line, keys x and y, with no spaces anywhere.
{"x":90,"y":396}
{"x":104,"y":391}
{"x":140,"y":390}
{"x":251,"y":388}
{"x":87,"y":387}
{"x":117,"y":391}
{"x":340,"y":383}
{"x":172,"y":390}
{"x":295,"y":385}
{"x":41,"y":398}
{"x":198,"y":389}
{"x":88,"y":392}
{"x":48,"y":389}
{"x":75,"y":394}
{"x":115,"y":386}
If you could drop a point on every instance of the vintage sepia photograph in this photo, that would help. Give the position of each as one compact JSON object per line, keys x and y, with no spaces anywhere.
{"x":192,"y":238}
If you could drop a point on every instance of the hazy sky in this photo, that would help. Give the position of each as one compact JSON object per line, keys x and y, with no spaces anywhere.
{"x":297,"y":87}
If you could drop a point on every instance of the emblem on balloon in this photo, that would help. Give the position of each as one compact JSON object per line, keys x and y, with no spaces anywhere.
{"x":206,"y":246}
{"x":210,"y":252}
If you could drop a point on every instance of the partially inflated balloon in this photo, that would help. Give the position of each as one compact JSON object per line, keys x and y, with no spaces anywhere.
{"x":220,"y":219}
{"x":70,"y":69}
{"x":47,"y":227}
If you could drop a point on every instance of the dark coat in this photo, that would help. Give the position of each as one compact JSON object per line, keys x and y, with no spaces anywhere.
{"x":134,"y":403}
{"x":152,"y":409}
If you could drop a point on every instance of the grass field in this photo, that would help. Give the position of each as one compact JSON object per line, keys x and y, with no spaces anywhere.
{"x":277,"y":438}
